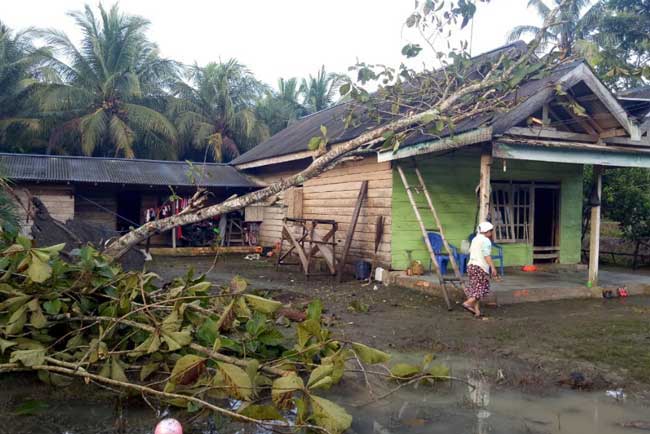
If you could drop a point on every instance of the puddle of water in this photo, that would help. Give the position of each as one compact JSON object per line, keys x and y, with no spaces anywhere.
{"x":445,"y":408}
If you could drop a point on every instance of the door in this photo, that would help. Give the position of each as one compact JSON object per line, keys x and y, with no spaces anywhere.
{"x":128,"y":210}
{"x":546,"y":224}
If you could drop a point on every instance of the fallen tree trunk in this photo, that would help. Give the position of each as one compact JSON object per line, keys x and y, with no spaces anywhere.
{"x":450,"y":103}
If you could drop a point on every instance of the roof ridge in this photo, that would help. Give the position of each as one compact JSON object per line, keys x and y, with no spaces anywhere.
{"x":83,"y":157}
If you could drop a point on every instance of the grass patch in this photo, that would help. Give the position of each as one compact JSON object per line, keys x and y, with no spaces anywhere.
{"x":619,"y":343}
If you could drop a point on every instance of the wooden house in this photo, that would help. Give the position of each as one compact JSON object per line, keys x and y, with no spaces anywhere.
{"x":522,"y":169}
{"x":114,"y":193}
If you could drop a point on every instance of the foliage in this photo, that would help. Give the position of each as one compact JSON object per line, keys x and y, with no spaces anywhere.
{"x":9,"y":220}
{"x":215,"y":111}
{"x":185,"y":342}
{"x":109,"y":98}
{"x":320,"y":90}
{"x":578,"y":18}
{"x":626,"y":200}
{"x":20,"y":68}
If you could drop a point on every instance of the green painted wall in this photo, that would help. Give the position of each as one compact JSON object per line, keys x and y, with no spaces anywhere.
{"x":452,"y":179}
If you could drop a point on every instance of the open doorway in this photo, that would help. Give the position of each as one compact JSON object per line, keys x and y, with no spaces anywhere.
{"x":128,"y":210}
{"x":546,"y":246}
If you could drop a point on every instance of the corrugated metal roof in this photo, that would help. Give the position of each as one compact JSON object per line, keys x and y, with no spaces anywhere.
{"x":27,"y":167}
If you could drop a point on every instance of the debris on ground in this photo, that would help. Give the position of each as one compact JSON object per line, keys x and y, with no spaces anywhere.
{"x":577,"y":381}
{"x":617,"y":394}
{"x":75,"y":233}
{"x":638,"y":424}
{"x":358,"y":307}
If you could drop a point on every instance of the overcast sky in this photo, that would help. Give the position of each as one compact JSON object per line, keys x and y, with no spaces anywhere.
{"x":280,"y":38}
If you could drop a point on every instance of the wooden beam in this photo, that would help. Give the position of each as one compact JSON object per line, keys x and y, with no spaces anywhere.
{"x":363,"y":192}
{"x":276,"y":160}
{"x":484,"y":183}
{"x":594,"y":234}
{"x":545,"y":133}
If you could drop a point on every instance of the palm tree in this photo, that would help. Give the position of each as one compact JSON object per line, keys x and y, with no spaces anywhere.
{"x":19,"y":71}
{"x":111,"y":90}
{"x":214,"y":110}
{"x":319,"y":91}
{"x":575,"y":23}
{"x":279,"y":108}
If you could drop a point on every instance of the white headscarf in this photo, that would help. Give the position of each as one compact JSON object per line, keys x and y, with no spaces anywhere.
{"x":485,"y":227}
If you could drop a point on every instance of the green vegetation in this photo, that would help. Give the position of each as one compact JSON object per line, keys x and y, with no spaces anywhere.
{"x":187,"y":343}
{"x":113,"y":94}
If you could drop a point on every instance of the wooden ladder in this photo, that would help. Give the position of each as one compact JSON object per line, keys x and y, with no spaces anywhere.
{"x":457,"y":280}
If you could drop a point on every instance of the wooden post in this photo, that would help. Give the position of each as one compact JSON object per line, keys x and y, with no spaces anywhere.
{"x":594,"y":235}
{"x":484,"y":183}
{"x":363,"y":192}
{"x":174,"y":230}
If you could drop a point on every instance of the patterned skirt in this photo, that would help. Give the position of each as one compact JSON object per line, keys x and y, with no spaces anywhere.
{"x":479,"y":282}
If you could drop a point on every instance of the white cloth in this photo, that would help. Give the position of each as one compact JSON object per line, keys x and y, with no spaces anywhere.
{"x":480,"y":248}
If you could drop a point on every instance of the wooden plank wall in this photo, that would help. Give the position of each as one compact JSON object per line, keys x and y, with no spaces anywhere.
{"x":59,"y":200}
{"x":333,"y":194}
{"x":97,"y":211}
{"x":274,"y":211}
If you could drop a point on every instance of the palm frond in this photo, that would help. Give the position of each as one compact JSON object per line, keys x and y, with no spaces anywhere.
{"x":122,"y":136}
{"x":144,"y":118}
{"x":92,"y":128}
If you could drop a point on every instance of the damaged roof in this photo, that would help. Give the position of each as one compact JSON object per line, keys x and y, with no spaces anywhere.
{"x":295,"y":137}
{"x":70,"y":169}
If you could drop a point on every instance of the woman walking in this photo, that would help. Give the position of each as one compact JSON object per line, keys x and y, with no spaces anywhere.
{"x":479,"y":268}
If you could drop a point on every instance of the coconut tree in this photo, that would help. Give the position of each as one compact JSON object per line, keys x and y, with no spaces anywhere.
{"x":320,"y":91}
{"x":110,"y":97}
{"x":279,"y":108}
{"x":214,"y":110}
{"x":20,"y":68}
{"x":578,"y":19}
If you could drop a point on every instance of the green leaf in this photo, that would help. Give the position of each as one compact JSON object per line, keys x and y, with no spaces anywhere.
{"x":51,"y":250}
{"x":329,"y":415}
{"x":237,"y":380}
{"x":148,"y":346}
{"x":37,"y":318}
{"x":308,"y":329}
{"x":177,"y":340}
{"x":39,"y":270}
{"x":344,"y":89}
{"x":369,"y":355}
{"x":404,"y":370}
{"x":28,"y":358}
{"x":283,"y":389}
{"x":314,"y":143}
{"x":52,"y":307}
{"x":17,"y":321}
{"x":439,"y":370}
{"x":148,"y":369}
{"x":117,"y":371}
{"x":315,"y":310}
{"x":238,"y":284}
{"x":186,"y":369}
{"x":4,"y":344}
{"x":319,"y":373}
{"x":208,"y":333}
{"x":261,"y":304}
{"x":261,"y":412}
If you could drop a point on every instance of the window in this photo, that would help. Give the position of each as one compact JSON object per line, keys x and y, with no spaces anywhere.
{"x":511,"y":212}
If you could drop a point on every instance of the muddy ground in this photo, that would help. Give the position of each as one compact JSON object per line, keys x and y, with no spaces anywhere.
{"x":535,"y":346}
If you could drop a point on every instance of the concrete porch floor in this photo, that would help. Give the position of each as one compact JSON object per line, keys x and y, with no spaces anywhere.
{"x":552,"y":284}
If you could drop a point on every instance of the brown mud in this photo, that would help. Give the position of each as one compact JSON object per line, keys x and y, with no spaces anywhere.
{"x":535,"y":346}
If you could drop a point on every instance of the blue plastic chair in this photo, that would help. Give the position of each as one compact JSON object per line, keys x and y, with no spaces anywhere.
{"x":443,"y":258}
{"x":498,"y":256}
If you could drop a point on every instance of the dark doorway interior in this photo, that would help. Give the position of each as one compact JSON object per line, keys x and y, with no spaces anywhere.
{"x":546,"y":227}
{"x":128,"y":210}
